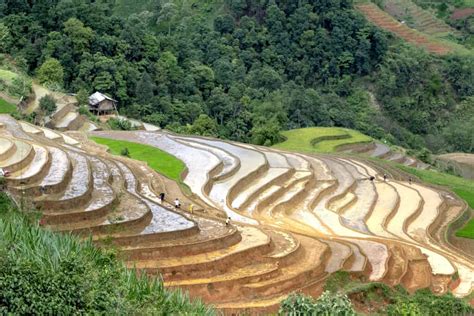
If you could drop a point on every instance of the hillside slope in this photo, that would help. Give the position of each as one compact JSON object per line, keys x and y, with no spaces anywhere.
{"x":295,"y":218}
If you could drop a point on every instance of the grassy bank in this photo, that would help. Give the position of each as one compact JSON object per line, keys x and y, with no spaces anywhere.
{"x":6,"y":107}
{"x":462,"y":187}
{"x":320,"y":139}
{"x":160,"y":161}
{"x":47,"y":273}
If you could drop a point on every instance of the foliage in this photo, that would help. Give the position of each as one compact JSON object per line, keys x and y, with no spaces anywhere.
{"x":384,"y":300}
{"x":82,"y":97}
{"x":120,"y":124}
{"x":327,"y":304}
{"x":254,"y":67}
{"x":51,"y":72}
{"x":6,"y":107}
{"x":320,"y":139}
{"x":204,"y":126}
{"x":424,"y":302}
{"x":125,"y":152}
{"x":42,"y":272}
{"x":157,"y":159}
{"x":47,"y":104}
{"x":84,"y":110}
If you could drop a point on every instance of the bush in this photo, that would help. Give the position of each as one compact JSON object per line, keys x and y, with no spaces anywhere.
{"x":120,"y":124}
{"x":84,"y":110}
{"x":423,"y":302}
{"x":51,"y":72}
{"x":42,"y":272}
{"x":47,"y":104}
{"x":20,"y":87}
{"x":125,"y":152}
{"x":327,"y":304}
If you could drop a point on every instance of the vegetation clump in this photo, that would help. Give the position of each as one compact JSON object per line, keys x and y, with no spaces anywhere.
{"x":120,"y":124}
{"x":42,"y":272}
{"x":47,"y":105}
{"x":255,"y":68}
{"x":327,"y":304}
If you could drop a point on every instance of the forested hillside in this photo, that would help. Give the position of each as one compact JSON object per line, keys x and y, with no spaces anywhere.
{"x":245,"y":70}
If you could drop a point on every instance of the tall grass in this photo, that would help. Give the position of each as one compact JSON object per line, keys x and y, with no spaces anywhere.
{"x":42,"y":272}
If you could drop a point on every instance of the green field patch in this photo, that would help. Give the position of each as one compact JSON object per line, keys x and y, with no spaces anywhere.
{"x":7,"y":76}
{"x":320,"y":139}
{"x":6,"y":107}
{"x":162,"y":162}
{"x":464,"y":188}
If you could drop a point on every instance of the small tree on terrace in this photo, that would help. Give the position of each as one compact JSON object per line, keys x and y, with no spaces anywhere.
{"x":51,"y":72}
{"x":47,"y":104}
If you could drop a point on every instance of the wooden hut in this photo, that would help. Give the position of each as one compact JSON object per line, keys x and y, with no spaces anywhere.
{"x":99,"y":103}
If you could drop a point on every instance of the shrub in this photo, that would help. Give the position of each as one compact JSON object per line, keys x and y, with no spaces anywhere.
{"x":327,"y":304}
{"x":51,"y":72}
{"x":423,"y":302}
{"x":42,"y":272}
{"x":47,"y":104}
{"x":84,"y":110}
{"x":125,"y":152}
{"x":120,"y":124}
{"x":20,"y":87}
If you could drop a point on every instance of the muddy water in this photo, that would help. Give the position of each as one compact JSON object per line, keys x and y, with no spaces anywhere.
{"x":28,"y":128}
{"x":39,"y":161}
{"x":60,"y":163}
{"x":385,"y":205}
{"x":80,"y":180}
{"x":13,"y":127}
{"x":377,"y":255}
{"x":5,"y":145}
{"x":339,"y":254}
{"x":229,"y":161}
{"x":250,"y":161}
{"x":253,"y":187}
{"x":103,"y":195}
{"x":298,"y":162}
{"x":199,"y":162}
{"x":408,"y":206}
{"x":22,"y":151}
{"x":163,"y":220}
{"x":354,"y":216}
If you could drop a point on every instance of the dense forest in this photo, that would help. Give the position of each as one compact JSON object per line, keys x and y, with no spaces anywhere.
{"x":247,"y":70}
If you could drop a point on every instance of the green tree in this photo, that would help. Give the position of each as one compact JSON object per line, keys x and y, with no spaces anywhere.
{"x":47,"y":104}
{"x":144,"y":90}
{"x":267,"y":134}
{"x":80,"y":35}
{"x":82,"y":97}
{"x":51,"y":72}
{"x":204,"y":126}
{"x":5,"y":38}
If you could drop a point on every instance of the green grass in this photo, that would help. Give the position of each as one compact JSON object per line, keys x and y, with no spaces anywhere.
{"x":462,"y":187}
{"x":160,"y":161}
{"x":7,"y":75}
{"x":48,"y":273}
{"x":309,"y":139}
{"x":6,"y":107}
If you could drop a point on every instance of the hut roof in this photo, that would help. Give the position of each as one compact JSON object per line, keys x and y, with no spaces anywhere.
{"x":98,"y":97}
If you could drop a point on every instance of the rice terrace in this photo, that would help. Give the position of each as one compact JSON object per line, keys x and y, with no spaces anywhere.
{"x":237,"y":158}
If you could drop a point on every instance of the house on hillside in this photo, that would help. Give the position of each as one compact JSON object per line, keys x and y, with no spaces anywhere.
{"x":99,"y":103}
